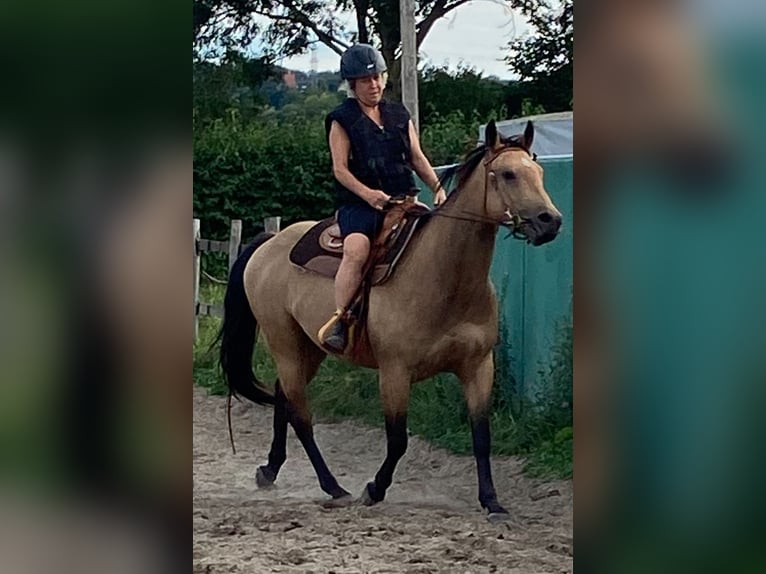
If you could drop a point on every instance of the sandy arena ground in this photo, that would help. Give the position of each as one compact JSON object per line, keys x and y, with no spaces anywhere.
{"x":430,"y":521}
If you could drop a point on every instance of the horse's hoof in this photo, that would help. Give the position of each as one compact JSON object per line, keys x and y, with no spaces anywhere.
{"x":366,"y":498}
{"x":264,"y":477}
{"x":339,"y":502}
{"x":497,"y":517}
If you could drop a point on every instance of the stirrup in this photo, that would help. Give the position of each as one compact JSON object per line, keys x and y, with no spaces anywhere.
{"x":333,"y":335}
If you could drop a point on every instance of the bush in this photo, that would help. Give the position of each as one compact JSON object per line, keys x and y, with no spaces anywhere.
{"x":278,"y":163}
{"x":275,"y":164}
{"x":446,"y":139}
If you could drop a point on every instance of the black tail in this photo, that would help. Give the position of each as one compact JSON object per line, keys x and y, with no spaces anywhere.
{"x":239,"y":332}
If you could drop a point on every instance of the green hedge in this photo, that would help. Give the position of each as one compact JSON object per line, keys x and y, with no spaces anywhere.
{"x":278,"y":163}
{"x":265,"y":167}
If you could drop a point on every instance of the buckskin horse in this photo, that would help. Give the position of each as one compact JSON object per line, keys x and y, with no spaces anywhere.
{"x":437,"y":313}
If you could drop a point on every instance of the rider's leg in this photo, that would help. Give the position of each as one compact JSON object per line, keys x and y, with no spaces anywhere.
{"x":359,"y":224}
{"x":356,"y":248}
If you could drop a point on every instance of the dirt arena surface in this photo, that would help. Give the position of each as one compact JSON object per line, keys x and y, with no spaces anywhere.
{"x":430,"y":521}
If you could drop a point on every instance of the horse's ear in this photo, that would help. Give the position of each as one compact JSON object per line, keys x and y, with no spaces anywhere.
{"x":529,"y":135}
{"x":491,"y":137}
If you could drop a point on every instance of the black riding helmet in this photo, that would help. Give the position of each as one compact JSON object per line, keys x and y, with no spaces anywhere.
{"x":361,"y":60}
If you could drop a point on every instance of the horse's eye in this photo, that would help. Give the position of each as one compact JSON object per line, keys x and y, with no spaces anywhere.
{"x":508,"y":175}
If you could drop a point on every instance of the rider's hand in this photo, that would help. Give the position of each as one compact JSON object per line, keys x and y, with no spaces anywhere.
{"x":377,"y":199}
{"x":440,"y":196}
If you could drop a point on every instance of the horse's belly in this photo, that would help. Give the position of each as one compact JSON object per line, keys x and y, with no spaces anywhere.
{"x":425,"y":353}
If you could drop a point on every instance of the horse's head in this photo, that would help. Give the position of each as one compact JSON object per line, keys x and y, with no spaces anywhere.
{"x":514,"y":191}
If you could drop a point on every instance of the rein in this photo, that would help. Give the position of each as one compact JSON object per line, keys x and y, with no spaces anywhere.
{"x":512,"y":226}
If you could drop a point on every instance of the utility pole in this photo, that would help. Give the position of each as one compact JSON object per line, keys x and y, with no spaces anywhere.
{"x":409,"y":61}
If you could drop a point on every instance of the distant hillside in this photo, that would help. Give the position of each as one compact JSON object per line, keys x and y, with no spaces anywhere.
{"x":297,"y":79}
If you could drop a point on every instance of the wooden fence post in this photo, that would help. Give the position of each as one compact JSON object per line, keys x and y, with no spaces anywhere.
{"x":196,"y":251}
{"x":271,"y":224}
{"x":235,"y":238}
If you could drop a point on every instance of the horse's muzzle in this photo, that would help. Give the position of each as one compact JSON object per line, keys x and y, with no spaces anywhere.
{"x":543,"y":228}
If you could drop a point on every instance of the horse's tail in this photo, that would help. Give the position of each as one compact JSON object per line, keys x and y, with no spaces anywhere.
{"x":239,"y":332}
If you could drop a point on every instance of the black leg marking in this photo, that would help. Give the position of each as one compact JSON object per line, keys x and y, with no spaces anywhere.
{"x":305,"y":433}
{"x":481,"y":450}
{"x":396,"y":434}
{"x":278,"y":454}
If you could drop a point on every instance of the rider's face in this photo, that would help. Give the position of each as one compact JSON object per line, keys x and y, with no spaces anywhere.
{"x":369,"y":90}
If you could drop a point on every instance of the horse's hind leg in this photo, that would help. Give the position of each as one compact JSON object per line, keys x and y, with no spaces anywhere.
{"x":297,"y":363}
{"x":477,"y":382}
{"x":395,"y":397}
{"x":267,"y":474}
{"x":300,"y":419}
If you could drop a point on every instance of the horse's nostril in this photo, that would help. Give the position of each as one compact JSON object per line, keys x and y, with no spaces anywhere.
{"x":545,"y":217}
{"x":549,"y":219}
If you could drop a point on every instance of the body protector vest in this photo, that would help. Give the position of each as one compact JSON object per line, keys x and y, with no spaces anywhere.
{"x":380,"y":156}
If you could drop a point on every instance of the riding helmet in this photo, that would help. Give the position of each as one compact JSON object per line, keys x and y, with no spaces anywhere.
{"x":361,"y":60}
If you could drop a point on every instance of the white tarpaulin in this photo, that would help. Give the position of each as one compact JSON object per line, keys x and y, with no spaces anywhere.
{"x":553,"y":133}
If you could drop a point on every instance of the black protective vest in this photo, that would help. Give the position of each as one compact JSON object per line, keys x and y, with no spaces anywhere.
{"x":379,"y":156}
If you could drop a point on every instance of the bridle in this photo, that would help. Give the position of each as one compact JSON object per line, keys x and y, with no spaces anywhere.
{"x":515,"y":222}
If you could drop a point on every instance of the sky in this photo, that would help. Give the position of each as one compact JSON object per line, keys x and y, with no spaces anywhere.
{"x":475,"y":34}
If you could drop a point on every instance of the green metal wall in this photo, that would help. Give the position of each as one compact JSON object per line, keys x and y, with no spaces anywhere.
{"x":534,"y":284}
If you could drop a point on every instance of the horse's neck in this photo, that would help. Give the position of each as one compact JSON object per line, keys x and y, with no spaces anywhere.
{"x":454,"y":255}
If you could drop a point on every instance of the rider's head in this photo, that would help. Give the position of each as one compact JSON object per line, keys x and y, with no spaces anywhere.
{"x":364,"y":68}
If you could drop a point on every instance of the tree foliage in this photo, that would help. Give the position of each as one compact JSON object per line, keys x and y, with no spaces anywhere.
{"x":442,"y":92}
{"x":235,"y":82}
{"x":545,"y":58}
{"x":289,"y":27}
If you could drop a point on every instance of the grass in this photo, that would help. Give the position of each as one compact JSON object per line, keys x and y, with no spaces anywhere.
{"x":540,"y":429}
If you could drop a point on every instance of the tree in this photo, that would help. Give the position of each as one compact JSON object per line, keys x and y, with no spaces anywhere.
{"x":232,"y":83}
{"x":289,"y":27}
{"x":466,"y":90}
{"x":545,"y":60}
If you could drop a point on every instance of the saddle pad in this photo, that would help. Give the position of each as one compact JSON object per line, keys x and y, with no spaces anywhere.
{"x":308,"y":249}
{"x":311,"y":253}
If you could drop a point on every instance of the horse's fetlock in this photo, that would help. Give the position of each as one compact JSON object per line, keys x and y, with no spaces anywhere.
{"x":277,"y":460}
{"x":265,"y":476}
{"x":376,"y":494}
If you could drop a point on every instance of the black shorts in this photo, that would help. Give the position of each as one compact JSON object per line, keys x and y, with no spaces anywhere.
{"x":360,"y":218}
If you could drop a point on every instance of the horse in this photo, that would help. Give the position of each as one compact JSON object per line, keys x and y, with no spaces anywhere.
{"x":437,"y":313}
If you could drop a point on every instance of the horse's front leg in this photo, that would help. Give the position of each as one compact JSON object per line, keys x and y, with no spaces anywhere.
{"x":477,"y":378}
{"x":395,"y":397}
